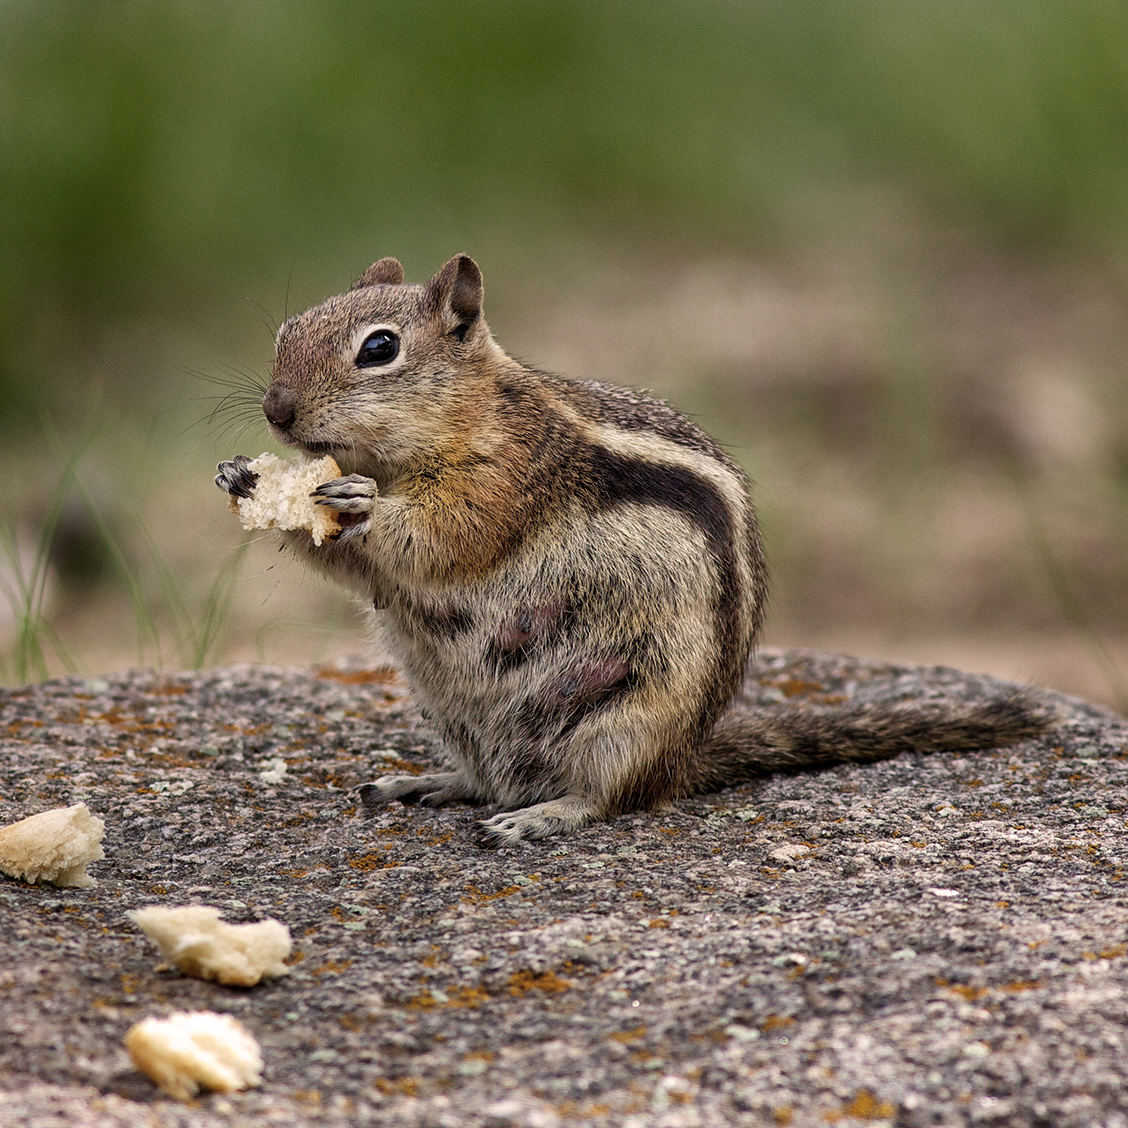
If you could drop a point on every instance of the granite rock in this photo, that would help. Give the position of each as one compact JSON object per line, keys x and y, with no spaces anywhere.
{"x":930,"y":940}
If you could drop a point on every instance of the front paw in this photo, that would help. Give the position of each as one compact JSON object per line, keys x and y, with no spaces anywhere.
{"x":235,"y":478}
{"x":354,"y":498}
{"x":431,"y":790}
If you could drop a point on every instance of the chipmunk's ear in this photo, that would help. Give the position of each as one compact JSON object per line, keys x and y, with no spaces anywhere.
{"x":456,"y":292}
{"x":386,"y":272}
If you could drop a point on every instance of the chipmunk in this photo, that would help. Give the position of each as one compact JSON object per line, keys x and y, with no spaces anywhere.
{"x":571,"y":573}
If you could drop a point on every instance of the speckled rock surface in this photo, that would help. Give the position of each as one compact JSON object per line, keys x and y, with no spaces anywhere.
{"x":925,"y":941}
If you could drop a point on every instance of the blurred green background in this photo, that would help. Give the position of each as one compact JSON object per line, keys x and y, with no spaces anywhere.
{"x":878,"y":247}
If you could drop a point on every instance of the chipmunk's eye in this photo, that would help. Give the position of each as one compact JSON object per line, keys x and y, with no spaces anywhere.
{"x":380,"y":347}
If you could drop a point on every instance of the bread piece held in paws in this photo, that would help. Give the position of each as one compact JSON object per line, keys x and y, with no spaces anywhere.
{"x":281,"y":499}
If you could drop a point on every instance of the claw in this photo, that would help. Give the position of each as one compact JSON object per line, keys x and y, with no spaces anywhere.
{"x":484,"y":838}
{"x":235,"y":478}
{"x":370,"y":796}
{"x":354,"y":498}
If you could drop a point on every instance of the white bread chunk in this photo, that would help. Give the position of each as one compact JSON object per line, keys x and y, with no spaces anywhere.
{"x":54,"y":846}
{"x":193,"y":939}
{"x":281,"y":498}
{"x":191,"y":1050}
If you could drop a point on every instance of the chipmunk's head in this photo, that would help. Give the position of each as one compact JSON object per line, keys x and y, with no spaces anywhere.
{"x":380,"y":374}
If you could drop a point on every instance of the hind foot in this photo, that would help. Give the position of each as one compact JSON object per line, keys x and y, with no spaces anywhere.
{"x":557,"y":816}
{"x":427,"y":790}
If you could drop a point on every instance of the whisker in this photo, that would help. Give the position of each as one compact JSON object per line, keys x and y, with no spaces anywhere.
{"x":286,"y":305}
{"x":265,"y":317}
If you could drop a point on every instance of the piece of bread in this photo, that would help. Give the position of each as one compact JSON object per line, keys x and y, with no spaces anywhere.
{"x":191,"y":1050}
{"x":54,"y":846}
{"x":193,"y":939}
{"x":281,"y":499}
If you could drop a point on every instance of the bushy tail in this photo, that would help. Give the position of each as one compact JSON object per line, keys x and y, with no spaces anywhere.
{"x":776,"y":738}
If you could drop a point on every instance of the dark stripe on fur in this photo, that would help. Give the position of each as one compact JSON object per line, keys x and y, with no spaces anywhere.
{"x":440,"y":618}
{"x":617,"y":480}
{"x":527,"y":632}
{"x":553,"y":713}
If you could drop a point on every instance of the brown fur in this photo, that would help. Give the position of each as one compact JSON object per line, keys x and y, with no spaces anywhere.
{"x":571,"y":573}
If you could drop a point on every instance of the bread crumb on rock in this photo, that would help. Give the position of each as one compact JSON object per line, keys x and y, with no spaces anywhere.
{"x":194,"y":940}
{"x":282,"y":496}
{"x":53,"y":846}
{"x":193,"y":1050}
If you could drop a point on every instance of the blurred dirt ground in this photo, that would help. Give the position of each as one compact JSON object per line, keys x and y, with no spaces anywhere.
{"x":937,"y":435}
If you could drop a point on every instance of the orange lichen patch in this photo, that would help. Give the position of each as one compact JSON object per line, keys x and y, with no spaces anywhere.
{"x":403,"y":766}
{"x":382,"y":675}
{"x":802,"y":687}
{"x":474,"y":896}
{"x":964,"y":990}
{"x":523,"y":981}
{"x":776,"y":1022}
{"x":248,"y":730}
{"x":627,"y":1036}
{"x":397,"y":1086}
{"x":585,"y":1110}
{"x":864,"y":1106}
{"x":1022,"y":985}
{"x":798,"y":687}
{"x":1106,"y":953}
{"x":331,"y":967}
{"x":461,"y":996}
{"x":322,"y":779}
{"x":366,"y":863}
{"x":127,"y":722}
{"x":658,"y":922}
{"x":166,"y":689}
{"x":14,"y":727}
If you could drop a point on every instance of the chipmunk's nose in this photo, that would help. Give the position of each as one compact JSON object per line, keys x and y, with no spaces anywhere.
{"x":278,"y":405}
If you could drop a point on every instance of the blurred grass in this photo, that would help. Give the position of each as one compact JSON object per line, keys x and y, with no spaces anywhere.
{"x":160,"y":161}
{"x":177,"y":175}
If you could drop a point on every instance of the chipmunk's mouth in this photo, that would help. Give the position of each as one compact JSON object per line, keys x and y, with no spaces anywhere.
{"x":344,"y":456}
{"x":348,"y":520}
{"x":319,"y":450}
